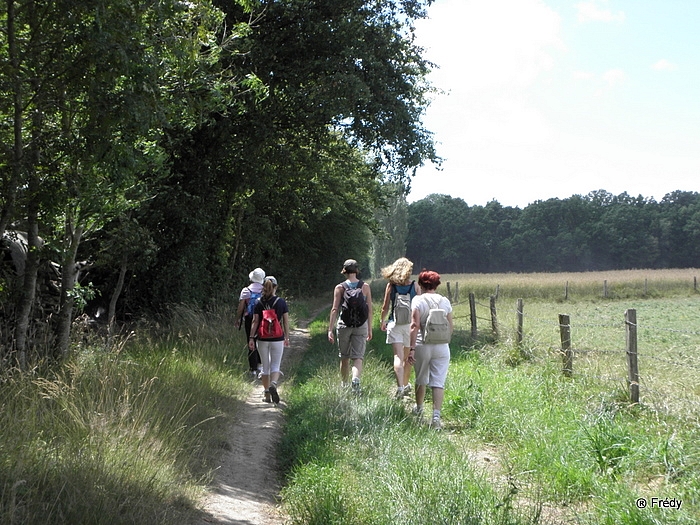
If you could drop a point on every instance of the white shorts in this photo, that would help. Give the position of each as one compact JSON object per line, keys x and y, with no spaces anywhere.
{"x":432,"y":362}
{"x":398,"y":333}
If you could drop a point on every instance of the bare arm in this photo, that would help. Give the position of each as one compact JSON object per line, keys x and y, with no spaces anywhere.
{"x":415,"y":326}
{"x":368,"y":294}
{"x":385,"y":306}
{"x":285,"y":325}
{"x":253,"y":331}
{"x":337,"y":297}
{"x":239,"y":312}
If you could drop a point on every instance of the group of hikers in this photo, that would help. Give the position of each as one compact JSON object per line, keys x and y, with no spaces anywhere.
{"x":417,"y":321}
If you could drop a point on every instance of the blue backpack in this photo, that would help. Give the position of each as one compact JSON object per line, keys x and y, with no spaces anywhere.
{"x":254,"y":296}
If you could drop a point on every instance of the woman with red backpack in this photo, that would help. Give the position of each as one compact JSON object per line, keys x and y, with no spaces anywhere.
{"x":270,"y":328}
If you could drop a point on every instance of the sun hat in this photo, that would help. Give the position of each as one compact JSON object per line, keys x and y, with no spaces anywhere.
{"x":257,"y":276}
{"x":271,"y":278}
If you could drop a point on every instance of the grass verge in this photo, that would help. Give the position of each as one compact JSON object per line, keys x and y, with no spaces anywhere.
{"x":568,"y":450}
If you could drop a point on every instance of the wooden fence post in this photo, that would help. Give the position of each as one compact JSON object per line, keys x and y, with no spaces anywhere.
{"x":566,"y":291}
{"x":472,"y":313}
{"x":456,"y":293}
{"x":605,"y":288}
{"x":494,"y":319}
{"x":567,"y":354}
{"x":632,"y":365}
{"x":449,"y":291}
{"x":519,"y":323}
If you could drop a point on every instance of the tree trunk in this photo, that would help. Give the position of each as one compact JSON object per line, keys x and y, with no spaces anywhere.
{"x":9,"y":189}
{"x":69,"y":275}
{"x":112,"y":311}
{"x":31,"y":268}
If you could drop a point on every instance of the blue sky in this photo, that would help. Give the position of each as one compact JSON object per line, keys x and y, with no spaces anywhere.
{"x":551,"y":98}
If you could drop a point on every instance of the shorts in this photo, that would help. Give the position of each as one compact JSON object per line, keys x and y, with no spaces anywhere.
{"x":352,"y":342}
{"x":398,"y":333}
{"x":432,"y":362}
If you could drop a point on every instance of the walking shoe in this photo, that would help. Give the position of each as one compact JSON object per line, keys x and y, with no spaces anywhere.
{"x":356,"y":387}
{"x":436,"y":423}
{"x":417,"y":411}
{"x":399,"y":393}
{"x":407,"y":389}
{"x":266,"y":397}
{"x":273,"y":393}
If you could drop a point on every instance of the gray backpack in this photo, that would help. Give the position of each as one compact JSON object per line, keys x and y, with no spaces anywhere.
{"x":402,"y":308}
{"x":437,"y":328}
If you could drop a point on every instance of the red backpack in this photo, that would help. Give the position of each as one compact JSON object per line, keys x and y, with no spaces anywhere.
{"x":270,"y":327}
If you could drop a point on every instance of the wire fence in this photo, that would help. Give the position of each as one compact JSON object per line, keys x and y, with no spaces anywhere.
{"x":655,"y":365}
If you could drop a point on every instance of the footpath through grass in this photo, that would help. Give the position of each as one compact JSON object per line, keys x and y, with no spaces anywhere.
{"x":568,"y":450}
{"x":132,"y":435}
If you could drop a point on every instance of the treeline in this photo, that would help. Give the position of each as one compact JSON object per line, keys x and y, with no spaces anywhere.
{"x":598,"y":231}
{"x":155,"y":152}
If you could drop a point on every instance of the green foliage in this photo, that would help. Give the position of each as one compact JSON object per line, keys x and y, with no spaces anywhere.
{"x":598,"y":231}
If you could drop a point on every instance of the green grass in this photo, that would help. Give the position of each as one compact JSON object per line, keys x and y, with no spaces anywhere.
{"x":568,"y":448}
{"x":132,"y":436}
{"x":123,"y":437}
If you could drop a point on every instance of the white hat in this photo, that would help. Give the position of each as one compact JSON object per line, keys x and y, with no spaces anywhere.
{"x":271,"y":278}
{"x":257,"y":276}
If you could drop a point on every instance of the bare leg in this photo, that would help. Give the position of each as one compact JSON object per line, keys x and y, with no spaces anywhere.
{"x":420,"y":395}
{"x":356,"y":368}
{"x":407,"y":367}
{"x":438,"y":397}
{"x":344,"y":369}
{"x":399,"y":359}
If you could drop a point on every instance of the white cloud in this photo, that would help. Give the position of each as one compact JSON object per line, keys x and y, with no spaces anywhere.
{"x":663,"y":65}
{"x":490,"y":44}
{"x":613,"y":77}
{"x":597,"y":12}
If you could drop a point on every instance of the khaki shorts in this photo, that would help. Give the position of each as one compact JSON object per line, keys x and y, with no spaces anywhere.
{"x":398,"y":333}
{"x":352,"y":342}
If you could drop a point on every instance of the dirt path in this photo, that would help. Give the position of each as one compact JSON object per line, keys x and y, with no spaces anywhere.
{"x":245,"y":488}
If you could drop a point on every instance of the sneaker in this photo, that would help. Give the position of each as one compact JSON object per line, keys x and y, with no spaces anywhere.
{"x":407,"y":389}
{"x":356,"y":387}
{"x":399,"y":393}
{"x":417,"y":411}
{"x":266,"y":397}
{"x":273,"y":393}
{"x":436,"y":423}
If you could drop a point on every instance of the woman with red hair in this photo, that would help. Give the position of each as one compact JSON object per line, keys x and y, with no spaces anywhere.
{"x":431,"y":359}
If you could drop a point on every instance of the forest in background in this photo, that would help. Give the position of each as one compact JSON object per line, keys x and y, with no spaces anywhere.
{"x":597,"y":231}
{"x":154,"y":153}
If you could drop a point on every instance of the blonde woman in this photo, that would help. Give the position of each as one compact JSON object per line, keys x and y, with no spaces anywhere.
{"x":396,"y":318}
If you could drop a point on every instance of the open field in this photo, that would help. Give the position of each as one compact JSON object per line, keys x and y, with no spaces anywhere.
{"x":618,"y":284}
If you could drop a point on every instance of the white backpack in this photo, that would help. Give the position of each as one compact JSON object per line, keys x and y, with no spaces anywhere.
{"x":437,"y":328}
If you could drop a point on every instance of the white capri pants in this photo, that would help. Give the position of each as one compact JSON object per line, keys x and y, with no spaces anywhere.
{"x":432,"y":362}
{"x":270,"y":355}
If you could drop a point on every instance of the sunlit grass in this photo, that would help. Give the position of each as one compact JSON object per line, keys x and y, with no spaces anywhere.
{"x":564,"y":449}
{"x":122,"y":437}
